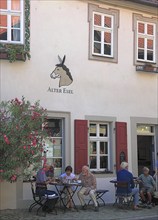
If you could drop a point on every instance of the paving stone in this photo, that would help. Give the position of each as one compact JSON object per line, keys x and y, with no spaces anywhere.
{"x":107,"y":212}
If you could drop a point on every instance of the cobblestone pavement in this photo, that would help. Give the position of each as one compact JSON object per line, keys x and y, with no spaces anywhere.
{"x":107,"y":212}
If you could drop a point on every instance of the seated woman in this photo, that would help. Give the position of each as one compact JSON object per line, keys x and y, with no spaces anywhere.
{"x":65,"y":177}
{"x":148,"y":185}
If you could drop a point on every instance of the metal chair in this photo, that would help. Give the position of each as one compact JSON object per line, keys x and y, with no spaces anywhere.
{"x":123,"y":198}
{"x":46,"y":203}
{"x":37,"y":199}
{"x":99,"y":195}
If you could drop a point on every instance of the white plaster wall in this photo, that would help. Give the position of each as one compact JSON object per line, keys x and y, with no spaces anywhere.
{"x":100,"y":88}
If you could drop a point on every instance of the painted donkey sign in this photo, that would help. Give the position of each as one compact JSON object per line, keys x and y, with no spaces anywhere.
{"x":62,"y":73}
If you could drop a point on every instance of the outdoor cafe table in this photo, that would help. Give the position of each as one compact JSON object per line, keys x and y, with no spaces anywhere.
{"x":66,"y":187}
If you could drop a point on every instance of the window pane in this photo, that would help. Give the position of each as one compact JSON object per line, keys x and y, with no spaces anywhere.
{"x":15,"y":5}
{"x":103,"y":148}
{"x":3,"y":4}
{"x":57,"y":148}
{"x":97,"y":48}
{"x":107,"y":22}
{"x":141,"y":42}
{"x":15,"y":21}
{"x":93,"y":148}
{"x":93,"y":164}
{"x":97,"y":20}
{"x":3,"y":20}
{"x":149,"y":55}
{"x":103,"y":130}
{"x":141,"y":28}
{"x":107,"y":49}
{"x":93,"y":130}
{"x":97,"y":36}
{"x":141,"y":54}
{"x":15,"y":35}
{"x":150,"y":29}
{"x":57,"y":162}
{"x":150,"y":44}
{"x":103,"y":162}
{"x":107,"y":37}
{"x":54,"y":127}
{"x":3,"y":25}
{"x":3,"y":34}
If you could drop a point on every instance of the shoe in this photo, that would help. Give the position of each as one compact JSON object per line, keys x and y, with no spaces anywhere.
{"x":136,"y":208}
{"x":84,"y":207}
{"x":96,"y":209}
{"x":149,"y":205}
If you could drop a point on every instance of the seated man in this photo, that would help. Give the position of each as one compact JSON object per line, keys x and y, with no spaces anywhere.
{"x":148,"y":185}
{"x":88,"y":181}
{"x":41,"y":186}
{"x":125,"y":176}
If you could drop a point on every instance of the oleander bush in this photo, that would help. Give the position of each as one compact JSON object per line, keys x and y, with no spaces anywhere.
{"x":22,"y":137}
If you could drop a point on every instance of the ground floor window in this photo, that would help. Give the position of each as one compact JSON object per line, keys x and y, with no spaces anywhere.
{"x":54,"y":147}
{"x":99,"y":146}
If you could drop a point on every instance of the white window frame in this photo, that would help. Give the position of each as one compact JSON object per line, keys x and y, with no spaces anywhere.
{"x":103,"y":29}
{"x":114,"y":13}
{"x":10,"y":13}
{"x":149,"y":20}
{"x":146,"y":37}
{"x":99,"y":139}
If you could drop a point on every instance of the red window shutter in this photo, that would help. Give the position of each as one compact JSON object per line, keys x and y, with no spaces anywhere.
{"x":81,"y":144}
{"x":121,"y":143}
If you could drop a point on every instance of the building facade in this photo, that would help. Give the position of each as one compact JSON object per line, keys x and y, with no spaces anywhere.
{"x":94,"y":67}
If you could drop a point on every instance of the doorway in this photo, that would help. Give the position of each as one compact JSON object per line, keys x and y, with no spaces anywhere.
{"x":145,"y":150}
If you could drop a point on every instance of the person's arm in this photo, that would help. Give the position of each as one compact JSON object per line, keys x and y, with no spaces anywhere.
{"x":132,"y":185}
{"x":153,"y":182}
{"x":94,"y":182}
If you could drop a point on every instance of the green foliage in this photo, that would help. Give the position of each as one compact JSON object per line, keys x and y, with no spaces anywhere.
{"x":13,"y":50}
{"x":21,"y":137}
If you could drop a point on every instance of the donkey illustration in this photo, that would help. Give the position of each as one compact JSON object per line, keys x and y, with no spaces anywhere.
{"x":62,"y":72}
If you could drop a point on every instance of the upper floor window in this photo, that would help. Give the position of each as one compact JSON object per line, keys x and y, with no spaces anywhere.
{"x":103,"y":33}
{"x":11,"y":21}
{"x":146,"y":41}
{"x":99,"y":150}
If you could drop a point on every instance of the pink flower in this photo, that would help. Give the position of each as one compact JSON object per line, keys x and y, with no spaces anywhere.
{"x":24,"y":147}
{"x":1,"y":171}
{"x":13,"y":178}
{"x":6,"y":139}
{"x":34,"y":142}
{"x":32,"y":152}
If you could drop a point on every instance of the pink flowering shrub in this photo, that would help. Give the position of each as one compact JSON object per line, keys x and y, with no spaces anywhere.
{"x":21,"y":137}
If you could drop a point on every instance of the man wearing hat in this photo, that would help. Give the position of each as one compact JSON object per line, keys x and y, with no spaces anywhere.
{"x":125,"y":176}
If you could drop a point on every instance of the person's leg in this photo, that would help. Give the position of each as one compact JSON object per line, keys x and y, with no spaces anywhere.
{"x":69,"y":205}
{"x":149,"y":194}
{"x":81,"y":195}
{"x":135,"y":193}
{"x":149,"y":197}
{"x":93,"y":197}
{"x":142,"y":191}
